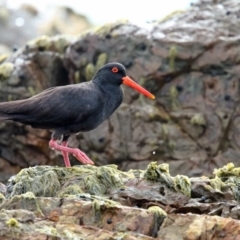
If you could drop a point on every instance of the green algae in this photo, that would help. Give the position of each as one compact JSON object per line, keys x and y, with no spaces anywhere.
{"x":160,"y":173}
{"x":70,"y":190}
{"x":48,"y":181}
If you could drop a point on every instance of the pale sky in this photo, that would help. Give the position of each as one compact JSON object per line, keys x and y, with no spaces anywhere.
{"x":104,"y":11}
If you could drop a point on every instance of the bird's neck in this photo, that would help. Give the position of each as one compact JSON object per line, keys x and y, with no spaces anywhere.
{"x":112,"y":90}
{"x":113,"y":96}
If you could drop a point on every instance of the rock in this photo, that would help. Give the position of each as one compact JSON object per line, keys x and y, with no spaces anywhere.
{"x":88,"y":202}
{"x":192,"y":226}
{"x":17,"y":26}
{"x":191,"y":68}
{"x":64,"y":20}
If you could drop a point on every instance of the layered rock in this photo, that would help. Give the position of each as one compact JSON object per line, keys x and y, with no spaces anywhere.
{"x":189,"y":60}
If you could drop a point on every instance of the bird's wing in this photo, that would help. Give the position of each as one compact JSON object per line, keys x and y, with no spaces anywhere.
{"x":54,"y":107}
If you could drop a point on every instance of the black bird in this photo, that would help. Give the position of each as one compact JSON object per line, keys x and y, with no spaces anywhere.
{"x":73,"y":108}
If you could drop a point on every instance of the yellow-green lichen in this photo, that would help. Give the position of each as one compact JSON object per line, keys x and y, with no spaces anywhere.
{"x":70,"y":190}
{"x":109,"y":176}
{"x":234,"y":183}
{"x":104,"y":177}
{"x":100,"y":204}
{"x":96,"y":206}
{"x":229,"y":176}
{"x":90,"y":71}
{"x":216,"y":183}
{"x":159,"y":212}
{"x":61,"y":42}
{"x":28,"y":195}
{"x":2,"y":198}
{"x":159,"y":215}
{"x":183,"y":184}
{"x":3,"y":57}
{"x":28,"y":200}
{"x":6,"y":70}
{"x":172,"y":57}
{"x":101,"y":60}
{"x":136,"y":173}
{"x":227,"y":171}
{"x":77,"y":77}
{"x":160,"y":173}
{"x":43,"y":42}
{"x":47,"y":181}
{"x":198,"y":119}
{"x":39,"y":180}
{"x":174,"y":97}
{"x":12,"y":222}
{"x":93,"y":186}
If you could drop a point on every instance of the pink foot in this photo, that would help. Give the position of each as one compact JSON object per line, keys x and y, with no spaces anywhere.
{"x":65,"y":156}
{"x":81,"y":156}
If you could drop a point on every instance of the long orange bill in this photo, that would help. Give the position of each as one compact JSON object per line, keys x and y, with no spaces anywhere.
{"x":129,"y":82}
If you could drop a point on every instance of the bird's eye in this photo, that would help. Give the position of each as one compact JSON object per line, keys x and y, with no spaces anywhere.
{"x":114,"y":69}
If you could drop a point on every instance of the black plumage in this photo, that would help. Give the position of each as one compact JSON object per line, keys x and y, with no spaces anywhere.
{"x":73,"y":108}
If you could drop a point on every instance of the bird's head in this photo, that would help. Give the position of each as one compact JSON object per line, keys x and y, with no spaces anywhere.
{"x":115,"y":74}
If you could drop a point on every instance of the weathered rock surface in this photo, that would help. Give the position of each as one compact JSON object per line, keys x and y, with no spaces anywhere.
{"x":17,"y":26}
{"x":88,"y":202}
{"x":189,"y":60}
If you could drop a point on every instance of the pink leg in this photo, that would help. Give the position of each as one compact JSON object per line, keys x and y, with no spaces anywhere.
{"x":65,"y":155}
{"x":81,"y":156}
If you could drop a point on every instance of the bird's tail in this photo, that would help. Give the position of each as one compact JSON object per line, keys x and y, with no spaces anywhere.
{"x":10,"y":110}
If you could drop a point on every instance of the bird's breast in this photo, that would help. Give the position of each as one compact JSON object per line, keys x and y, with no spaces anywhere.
{"x":104,"y":108}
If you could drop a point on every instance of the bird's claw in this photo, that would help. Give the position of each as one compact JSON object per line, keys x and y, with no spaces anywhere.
{"x":82,"y":157}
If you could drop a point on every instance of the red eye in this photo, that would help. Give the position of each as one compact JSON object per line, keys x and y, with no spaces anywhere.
{"x":115,"y":69}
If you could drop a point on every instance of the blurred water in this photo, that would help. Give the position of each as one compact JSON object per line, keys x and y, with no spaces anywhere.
{"x":100,"y":12}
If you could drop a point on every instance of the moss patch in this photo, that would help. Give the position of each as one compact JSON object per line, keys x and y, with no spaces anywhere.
{"x":160,"y":173}
{"x":58,"y":181}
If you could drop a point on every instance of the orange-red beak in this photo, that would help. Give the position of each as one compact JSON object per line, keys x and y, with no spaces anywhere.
{"x":129,"y":82}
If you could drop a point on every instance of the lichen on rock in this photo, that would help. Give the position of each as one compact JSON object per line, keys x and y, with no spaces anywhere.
{"x":6,"y":70}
